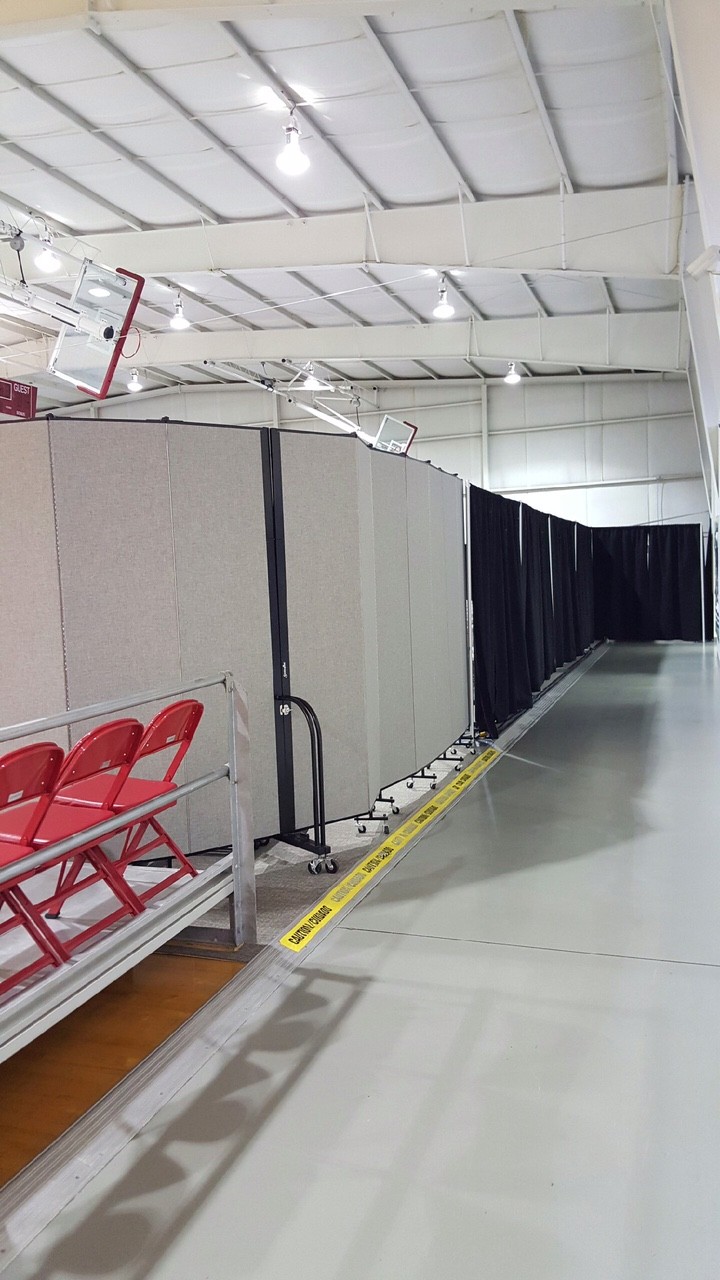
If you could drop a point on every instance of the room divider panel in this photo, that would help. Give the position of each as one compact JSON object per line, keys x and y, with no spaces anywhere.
{"x":143,"y":553}
{"x":222,"y":598}
{"x":32,"y":673}
{"x":326,"y":522}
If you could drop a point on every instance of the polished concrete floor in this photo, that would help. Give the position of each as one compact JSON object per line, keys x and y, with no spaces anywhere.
{"x":504,"y":1064}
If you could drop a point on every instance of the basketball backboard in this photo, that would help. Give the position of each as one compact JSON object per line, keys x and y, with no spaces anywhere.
{"x":87,"y":352}
{"x":394,"y":436}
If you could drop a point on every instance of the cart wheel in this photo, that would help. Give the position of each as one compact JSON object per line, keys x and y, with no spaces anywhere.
{"x":331,"y":866}
{"x":410,"y":783}
{"x":395,"y":809}
{"x":314,"y":868}
{"x":386,"y":829}
{"x":361,"y":829}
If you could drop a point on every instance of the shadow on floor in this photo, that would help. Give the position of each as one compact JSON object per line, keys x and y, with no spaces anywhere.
{"x":130,"y":1229}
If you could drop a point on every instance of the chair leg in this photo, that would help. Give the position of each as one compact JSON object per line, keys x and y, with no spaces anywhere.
{"x":114,"y":880}
{"x":28,"y":915}
{"x":161,"y":838}
{"x":69,"y":872}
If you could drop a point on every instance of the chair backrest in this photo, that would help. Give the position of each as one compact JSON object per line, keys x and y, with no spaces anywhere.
{"x":29,"y":773}
{"x":110,"y":746}
{"x":173,"y":727}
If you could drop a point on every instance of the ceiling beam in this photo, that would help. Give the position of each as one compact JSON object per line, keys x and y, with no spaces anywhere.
{"x":404,"y":306}
{"x":462,"y":295}
{"x":341,"y":309}
{"x":536,"y":300}
{"x":609,"y":304}
{"x":623,"y":232}
{"x":42,"y":166}
{"x":199,"y":126}
{"x":659,"y":19}
{"x":410,"y":99}
{"x":302,"y":112}
{"x":20,"y":17}
{"x":640,"y":340}
{"x":86,"y":126}
{"x":534,"y":87}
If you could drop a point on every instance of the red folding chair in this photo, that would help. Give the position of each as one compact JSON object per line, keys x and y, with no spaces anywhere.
{"x":105,"y":753}
{"x":27,"y":780}
{"x":171,"y":730}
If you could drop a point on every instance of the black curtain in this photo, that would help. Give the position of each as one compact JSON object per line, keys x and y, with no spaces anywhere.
{"x":562,"y":540}
{"x":647,"y":582}
{"x":709,"y":605}
{"x":537,"y":596}
{"x":624,"y":600}
{"x":584,"y":587}
{"x":674,"y":571}
{"x":502,"y":676}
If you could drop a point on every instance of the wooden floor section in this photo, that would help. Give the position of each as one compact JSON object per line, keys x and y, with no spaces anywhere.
{"x":56,"y":1079}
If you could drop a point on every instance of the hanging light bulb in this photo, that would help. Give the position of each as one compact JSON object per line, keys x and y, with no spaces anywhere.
{"x":134,"y":383}
{"x":444,"y":309}
{"x":179,"y":320}
{"x":46,"y":260}
{"x":312,"y":383}
{"x":292,"y":160}
{"x":512,"y":376}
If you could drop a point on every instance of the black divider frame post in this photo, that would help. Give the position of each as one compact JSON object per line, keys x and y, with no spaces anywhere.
{"x":277,"y":587}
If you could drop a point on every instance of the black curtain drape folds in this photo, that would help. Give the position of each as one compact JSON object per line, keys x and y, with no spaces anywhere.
{"x":647,"y":582}
{"x":674,"y":571}
{"x":537,"y":595}
{"x":544,"y":589}
{"x":709,"y":584}
{"x":562,"y":542}
{"x":584,"y":587}
{"x":502,"y":676}
{"x":624,"y":602}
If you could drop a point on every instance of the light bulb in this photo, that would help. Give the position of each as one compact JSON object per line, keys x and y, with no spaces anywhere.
{"x":46,"y":260}
{"x":444,"y":309}
{"x":512,"y":376}
{"x":312,"y":383}
{"x":292,"y":160}
{"x":179,"y":320}
{"x":134,"y":384}
{"x":98,"y":291}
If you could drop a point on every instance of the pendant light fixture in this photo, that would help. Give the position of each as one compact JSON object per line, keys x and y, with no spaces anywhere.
{"x":179,"y":320}
{"x":46,"y":259}
{"x":292,"y":159}
{"x":134,"y":383}
{"x":444,"y":309}
{"x":312,"y":383}
{"x":512,"y":377}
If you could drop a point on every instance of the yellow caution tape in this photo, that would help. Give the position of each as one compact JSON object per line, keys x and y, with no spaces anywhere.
{"x":346,"y":889}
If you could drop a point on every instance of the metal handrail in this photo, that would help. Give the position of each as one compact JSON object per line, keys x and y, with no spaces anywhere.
{"x":100,"y":830}
{"x":102,"y":708}
{"x":244,"y":919}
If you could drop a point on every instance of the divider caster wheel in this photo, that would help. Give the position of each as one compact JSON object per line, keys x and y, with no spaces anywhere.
{"x":433,"y":785}
{"x":410,"y":784}
{"x":314,"y":868}
{"x":386,"y":830}
{"x":395,"y":809}
{"x":331,"y":866}
{"x":458,"y":768}
{"x":361,"y":829}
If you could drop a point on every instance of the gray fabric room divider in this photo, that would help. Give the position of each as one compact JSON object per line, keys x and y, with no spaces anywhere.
{"x":136,"y":555}
{"x":32,"y":672}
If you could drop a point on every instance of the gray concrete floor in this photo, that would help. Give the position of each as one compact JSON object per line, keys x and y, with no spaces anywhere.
{"x":503,"y":1064}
